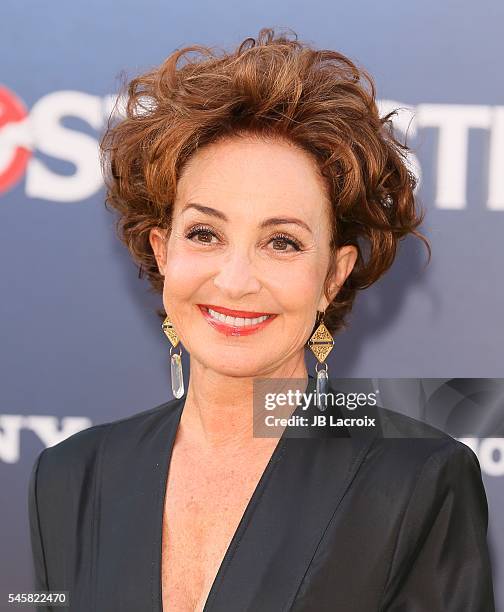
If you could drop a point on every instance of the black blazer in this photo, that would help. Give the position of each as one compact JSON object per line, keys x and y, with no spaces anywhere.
{"x":356,"y":523}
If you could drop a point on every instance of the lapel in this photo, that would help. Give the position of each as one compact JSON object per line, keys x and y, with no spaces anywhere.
{"x":285,"y":519}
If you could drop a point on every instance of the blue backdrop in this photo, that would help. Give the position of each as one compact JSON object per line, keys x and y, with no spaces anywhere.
{"x":80,"y":342}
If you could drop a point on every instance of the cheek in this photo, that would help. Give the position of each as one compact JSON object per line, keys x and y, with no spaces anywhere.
{"x":184,"y":273}
{"x":297,"y":286}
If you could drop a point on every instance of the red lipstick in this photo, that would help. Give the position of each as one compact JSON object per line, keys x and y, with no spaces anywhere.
{"x":247,"y":314}
{"x":235,"y":330}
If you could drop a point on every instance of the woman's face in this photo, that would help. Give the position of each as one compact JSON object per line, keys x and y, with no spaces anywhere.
{"x":250,"y":233}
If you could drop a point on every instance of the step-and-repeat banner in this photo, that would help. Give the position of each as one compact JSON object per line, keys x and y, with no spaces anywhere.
{"x":81,"y":343}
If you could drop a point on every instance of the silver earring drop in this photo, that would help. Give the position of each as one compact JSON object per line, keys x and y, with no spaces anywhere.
{"x":177,"y":375}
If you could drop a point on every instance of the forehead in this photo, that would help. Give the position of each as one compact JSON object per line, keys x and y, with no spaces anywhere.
{"x":254,"y":172}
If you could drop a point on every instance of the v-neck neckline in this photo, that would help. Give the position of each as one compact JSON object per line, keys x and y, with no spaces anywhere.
{"x":242,"y":525}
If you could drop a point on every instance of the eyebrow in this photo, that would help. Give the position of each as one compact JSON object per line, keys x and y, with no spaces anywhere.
{"x":213,"y":212}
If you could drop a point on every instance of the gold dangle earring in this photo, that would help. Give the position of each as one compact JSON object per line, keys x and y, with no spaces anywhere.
{"x":177,"y":378}
{"x":321,"y":344}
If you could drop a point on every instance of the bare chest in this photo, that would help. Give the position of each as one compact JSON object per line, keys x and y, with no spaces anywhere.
{"x":203,"y":508}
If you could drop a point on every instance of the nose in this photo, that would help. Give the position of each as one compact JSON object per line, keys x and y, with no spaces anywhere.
{"x":236,"y":277}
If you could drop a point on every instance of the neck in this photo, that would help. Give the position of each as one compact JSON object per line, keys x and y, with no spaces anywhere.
{"x":218,"y":410}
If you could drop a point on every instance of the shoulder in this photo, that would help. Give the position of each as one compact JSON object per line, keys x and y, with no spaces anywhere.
{"x":411,"y":437}
{"x":432,"y":462}
{"x":76,"y":455}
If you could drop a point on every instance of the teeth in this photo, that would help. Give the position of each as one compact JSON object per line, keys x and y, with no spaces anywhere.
{"x":236,"y":321}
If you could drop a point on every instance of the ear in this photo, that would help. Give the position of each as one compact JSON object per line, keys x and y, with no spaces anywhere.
{"x":342,"y":266}
{"x":157,"y":239}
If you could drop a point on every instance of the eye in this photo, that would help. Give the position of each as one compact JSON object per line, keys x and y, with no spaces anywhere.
{"x":283,"y":240}
{"x":201,"y":230}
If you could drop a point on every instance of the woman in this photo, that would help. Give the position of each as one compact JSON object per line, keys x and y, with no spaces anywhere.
{"x":258,"y":190}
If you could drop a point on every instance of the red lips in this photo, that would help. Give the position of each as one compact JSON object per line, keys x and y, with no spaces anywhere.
{"x":236,"y":313}
{"x":234,"y":330}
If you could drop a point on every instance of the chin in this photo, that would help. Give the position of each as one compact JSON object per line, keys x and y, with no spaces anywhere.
{"x":237,"y":364}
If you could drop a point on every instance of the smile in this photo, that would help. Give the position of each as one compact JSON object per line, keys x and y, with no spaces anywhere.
{"x":229,"y":323}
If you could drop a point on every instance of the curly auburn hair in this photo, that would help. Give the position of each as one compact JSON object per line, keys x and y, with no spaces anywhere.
{"x":271,"y":86}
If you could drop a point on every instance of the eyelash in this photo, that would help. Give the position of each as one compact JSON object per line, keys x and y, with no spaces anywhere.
{"x":203,"y":229}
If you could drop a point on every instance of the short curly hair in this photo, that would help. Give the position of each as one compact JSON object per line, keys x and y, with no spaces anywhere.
{"x":271,"y":86}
